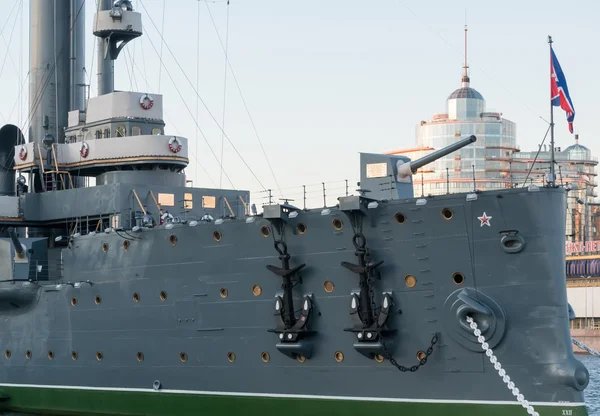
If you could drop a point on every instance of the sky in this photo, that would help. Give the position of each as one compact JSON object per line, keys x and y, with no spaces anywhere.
{"x":323,"y":80}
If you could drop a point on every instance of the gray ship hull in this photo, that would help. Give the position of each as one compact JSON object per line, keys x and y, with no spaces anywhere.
{"x":177,"y":320}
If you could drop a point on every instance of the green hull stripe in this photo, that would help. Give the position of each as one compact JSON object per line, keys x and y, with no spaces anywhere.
{"x":137,"y":402}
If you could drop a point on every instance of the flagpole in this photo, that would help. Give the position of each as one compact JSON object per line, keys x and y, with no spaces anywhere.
{"x":551,"y":178}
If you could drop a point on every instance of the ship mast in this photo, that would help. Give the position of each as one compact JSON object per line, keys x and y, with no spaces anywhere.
{"x":551,"y":175}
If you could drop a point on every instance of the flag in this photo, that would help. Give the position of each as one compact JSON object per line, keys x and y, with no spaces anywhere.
{"x":559,"y":93}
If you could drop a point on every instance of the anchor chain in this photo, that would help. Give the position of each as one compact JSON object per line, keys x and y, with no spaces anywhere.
{"x":291,"y":329}
{"x":359,"y":241}
{"x":498,"y":367}
{"x":413,"y":368}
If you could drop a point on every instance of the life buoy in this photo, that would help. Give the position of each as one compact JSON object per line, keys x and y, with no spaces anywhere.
{"x":146,"y":101}
{"x":174,"y":144}
{"x":85,"y":149}
{"x":23,"y":153}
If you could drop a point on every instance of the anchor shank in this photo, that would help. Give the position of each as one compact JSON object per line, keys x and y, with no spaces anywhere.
{"x":288,"y":301}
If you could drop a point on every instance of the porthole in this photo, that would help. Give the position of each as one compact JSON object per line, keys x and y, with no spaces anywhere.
{"x":223,"y":292}
{"x":300,"y":358}
{"x":421,"y":355}
{"x":7,"y":354}
{"x":125,"y":245}
{"x":163,"y":295}
{"x":99,"y":356}
{"x":339,"y":356}
{"x":28,"y":354}
{"x":74,"y":355}
{"x":328,"y":286}
{"x":97,"y":300}
{"x":73,"y":301}
{"x":183,"y":357}
{"x":447,"y":213}
{"x":230,"y":357}
{"x":337,"y":224}
{"x":217,"y":236}
{"x":458,"y":278}
{"x":301,"y":228}
{"x":256,"y":290}
{"x":50,"y":355}
{"x":379,"y":358}
{"x":264,"y":231}
{"x":265,"y":356}
{"x":400,"y":218}
{"x":410,"y":280}
{"x":173,"y":240}
{"x":136,"y":297}
{"x":105,"y":247}
{"x":140,"y":356}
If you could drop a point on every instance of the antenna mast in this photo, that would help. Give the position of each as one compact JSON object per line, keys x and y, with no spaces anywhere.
{"x":465,"y":77}
{"x":551,"y":175}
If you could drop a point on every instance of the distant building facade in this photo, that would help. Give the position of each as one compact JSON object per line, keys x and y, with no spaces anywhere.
{"x":495,"y":161}
{"x":483,"y":165}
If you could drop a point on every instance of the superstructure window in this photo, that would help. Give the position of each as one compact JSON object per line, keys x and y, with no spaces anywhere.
{"x":106,"y":133}
{"x":120,"y":131}
{"x":157,"y":131}
{"x":98,"y":134}
{"x":136,"y":131}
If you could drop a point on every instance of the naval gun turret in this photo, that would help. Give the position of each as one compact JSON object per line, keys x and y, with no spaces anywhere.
{"x":390,"y":176}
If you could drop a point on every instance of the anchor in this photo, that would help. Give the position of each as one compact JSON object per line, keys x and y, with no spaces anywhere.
{"x":369,"y":325}
{"x":292,"y":331}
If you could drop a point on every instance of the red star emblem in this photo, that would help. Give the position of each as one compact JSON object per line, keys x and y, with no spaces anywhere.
{"x":485,"y":220}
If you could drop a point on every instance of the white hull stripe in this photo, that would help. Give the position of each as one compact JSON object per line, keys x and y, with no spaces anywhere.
{"x":292,"y":396}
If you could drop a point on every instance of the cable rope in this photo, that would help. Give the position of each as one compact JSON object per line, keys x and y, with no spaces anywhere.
{"x":175,"y":128}
{"x":7,"y":48}
{"x":7,"y":44}
{"x":42,"y":88}
{"x":162,"y":30}
{"x":202,"y":101}
{"x":188,"y":108}
{"x":224,"y":90}
{"x":197,"y":77}
{"x":128,"y":73}
{"x":244,"y":101}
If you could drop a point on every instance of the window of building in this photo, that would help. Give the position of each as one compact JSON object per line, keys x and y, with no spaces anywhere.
{"x":157,"y":131}
{"x":106,"y":133}
{"x":136,"y":131}
{"x":120,"y":131}
{"x":98,"y":134}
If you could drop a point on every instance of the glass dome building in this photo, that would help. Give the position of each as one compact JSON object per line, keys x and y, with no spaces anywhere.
{"x":482,"y":165}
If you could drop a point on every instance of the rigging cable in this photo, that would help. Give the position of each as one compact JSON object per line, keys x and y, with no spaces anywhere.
{"x":174,"y":126}
{"x":162,"y":30}
{"x":55,"y":77}
{"x":42,"y":88}
{"x":244,"y":102}
{"x":197,"y":79}
{"x":224,"y":89}
{"x":536,"y":156}
{"x":203,"y":103}
{"x":188,"y":108}
{"x":11,"y":34}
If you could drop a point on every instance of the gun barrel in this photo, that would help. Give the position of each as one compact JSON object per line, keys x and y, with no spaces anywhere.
{"x":15,"y":240}
{"x":419,"y":163}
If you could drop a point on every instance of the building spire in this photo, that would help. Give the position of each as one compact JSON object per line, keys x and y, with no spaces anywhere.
{"x":465,"y":78}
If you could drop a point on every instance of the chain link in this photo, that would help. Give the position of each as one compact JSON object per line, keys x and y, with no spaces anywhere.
{"x":499,"y":369}
{"x":359,"y":242}
{"x":413,"y":368}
